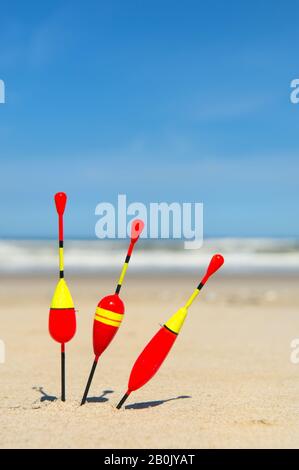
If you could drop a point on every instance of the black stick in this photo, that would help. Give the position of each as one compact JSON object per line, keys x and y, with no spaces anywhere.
{"x":62,"y":373}
{"x":122,"y":401}
{"x":94,"y":365}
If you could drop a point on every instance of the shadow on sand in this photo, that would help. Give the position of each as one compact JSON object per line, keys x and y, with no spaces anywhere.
{"x":101,"y":399}
{"x":150,"y":404}
{"x":44,"y":395}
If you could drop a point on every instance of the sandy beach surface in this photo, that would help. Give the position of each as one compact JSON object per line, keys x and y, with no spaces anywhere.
{"x":228,"y":382}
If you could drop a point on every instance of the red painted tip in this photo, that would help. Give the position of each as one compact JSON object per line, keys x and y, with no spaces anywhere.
{"x":136,"y":229}
{"x":60,"y":202}
{"x":215,"y":264}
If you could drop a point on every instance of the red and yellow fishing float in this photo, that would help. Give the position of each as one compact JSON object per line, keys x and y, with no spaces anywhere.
{"x":156,"y":351}
{"x":62,"y":316}
{"x":110,"y":311}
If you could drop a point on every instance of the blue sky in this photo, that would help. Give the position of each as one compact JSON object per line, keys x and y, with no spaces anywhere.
{"x":160,"y":100}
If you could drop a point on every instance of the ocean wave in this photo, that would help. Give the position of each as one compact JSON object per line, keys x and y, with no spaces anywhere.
{"x":96,"y":256}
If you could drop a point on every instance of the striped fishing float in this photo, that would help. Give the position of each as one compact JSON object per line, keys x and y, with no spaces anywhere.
{"x":62,"y":317}
{"x":156,"y":351}
{"x":110,"y":311}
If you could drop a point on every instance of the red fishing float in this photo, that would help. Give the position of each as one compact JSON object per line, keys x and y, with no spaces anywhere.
{"x":62,"y":316}
{"x":156,"y":351}
{"x":110,"y":311}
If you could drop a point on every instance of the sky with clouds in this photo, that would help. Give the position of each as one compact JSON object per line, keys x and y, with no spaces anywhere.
{"x":159,"y":100}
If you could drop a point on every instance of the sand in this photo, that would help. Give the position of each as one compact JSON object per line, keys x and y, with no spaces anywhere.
{"x":228,"y":382}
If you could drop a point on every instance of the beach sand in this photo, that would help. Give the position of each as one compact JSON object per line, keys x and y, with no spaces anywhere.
{"x":228,"y":382}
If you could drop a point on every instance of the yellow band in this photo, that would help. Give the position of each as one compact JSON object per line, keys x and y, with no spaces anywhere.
{"x":108,"y":314}
{"x":61,"y":263}
{"x":108,"y":317}
{"x":122,"y":274}
{"x":107,"y":322}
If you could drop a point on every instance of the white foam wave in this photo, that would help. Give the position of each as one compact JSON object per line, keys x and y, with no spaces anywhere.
{"x":241,"y":255}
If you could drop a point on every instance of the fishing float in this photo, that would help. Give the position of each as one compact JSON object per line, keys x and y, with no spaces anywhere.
{"x":62,"y":316}
{"x":110,"y":310}
{"x":156,"y":351}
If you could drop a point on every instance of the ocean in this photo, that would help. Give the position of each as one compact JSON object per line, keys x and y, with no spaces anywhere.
{"x":99,"y":257}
